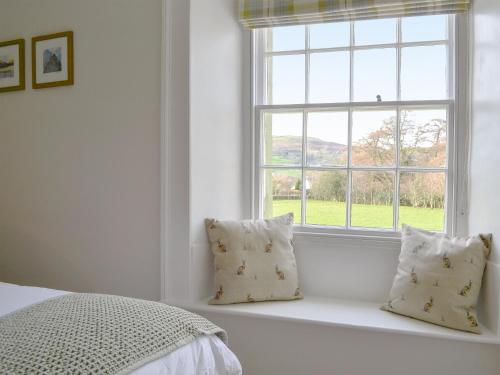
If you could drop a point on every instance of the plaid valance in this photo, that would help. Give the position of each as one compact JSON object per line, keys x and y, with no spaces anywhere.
{"x":266,"y":13}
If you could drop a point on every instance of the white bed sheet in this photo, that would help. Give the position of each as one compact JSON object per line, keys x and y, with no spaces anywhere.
{"x":205,"y":356}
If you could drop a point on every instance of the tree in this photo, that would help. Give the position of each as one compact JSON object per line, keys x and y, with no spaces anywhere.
{"x":423,"y":144}
{"x":328,"y":186}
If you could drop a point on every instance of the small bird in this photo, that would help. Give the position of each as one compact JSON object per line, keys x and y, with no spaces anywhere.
{"x":379,"y":98}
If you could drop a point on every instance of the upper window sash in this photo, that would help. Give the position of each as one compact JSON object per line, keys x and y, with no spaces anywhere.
{"x":263,"y":71}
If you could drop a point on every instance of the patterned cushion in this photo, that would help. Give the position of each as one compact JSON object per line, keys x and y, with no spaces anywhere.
{"x":254,"y":260}
{"x":438,"y":278}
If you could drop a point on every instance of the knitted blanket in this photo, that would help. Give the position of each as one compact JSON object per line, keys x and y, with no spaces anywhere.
{"x":84,"y":333}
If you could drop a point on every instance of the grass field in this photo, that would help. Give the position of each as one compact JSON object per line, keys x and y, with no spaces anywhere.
{"x":333,"y":213}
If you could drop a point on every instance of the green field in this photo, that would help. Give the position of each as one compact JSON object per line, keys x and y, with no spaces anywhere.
{"x":369,"y":216}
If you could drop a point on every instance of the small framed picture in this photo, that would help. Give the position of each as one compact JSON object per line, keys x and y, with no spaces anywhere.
{"x":52,"y":60}
{"x":12,"y":65}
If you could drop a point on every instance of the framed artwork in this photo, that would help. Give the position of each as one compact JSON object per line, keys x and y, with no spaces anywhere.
{"x":52,"y":60}
{"x":12,"y":65}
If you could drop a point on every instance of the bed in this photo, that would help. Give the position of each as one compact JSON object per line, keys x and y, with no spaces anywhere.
{"x":207,"y":355}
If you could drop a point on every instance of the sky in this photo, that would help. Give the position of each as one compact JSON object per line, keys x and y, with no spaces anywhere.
{"x":423,"y":73}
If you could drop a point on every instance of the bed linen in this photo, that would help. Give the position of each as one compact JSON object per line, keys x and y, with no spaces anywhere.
{"x":205,"y":356}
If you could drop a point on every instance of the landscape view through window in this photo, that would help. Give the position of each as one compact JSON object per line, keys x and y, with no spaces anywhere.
{"x":357,"y":164}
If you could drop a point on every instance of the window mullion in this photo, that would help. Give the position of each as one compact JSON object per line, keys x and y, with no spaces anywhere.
{"x":397,"y":141}
{"x":357,"y":48}
{"x":395,"y":202}
{"x":455,"y":117}
{"x":450,"y":50}
{"x":351,"y":62}
{"x":307,"y":62}
{"x":361,"y":105}
{"x":450,"y":191}
{"x":349,"y":131}
{"x":450,"y":221}
{"x":349,"y":171}
{"x":269,"y":79}
{"x":398,"y":54}
{"x":303,"y":170}
{"x":304,"y":130}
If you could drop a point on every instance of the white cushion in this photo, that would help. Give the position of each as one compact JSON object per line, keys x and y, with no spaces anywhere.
{"x":254,"y":260}
{"x":439,"y":277}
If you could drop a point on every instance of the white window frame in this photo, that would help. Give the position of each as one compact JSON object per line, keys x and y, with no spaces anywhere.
{"x":458,"y":114}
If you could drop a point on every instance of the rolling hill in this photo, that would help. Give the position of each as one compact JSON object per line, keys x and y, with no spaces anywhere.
{"x":287,"y":150}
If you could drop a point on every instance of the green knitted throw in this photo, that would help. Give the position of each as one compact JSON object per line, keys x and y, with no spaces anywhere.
{"x":84,"y":333}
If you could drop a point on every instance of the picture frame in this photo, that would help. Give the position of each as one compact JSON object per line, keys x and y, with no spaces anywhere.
{"x":52,"y":60}
{"x":12,"y":65}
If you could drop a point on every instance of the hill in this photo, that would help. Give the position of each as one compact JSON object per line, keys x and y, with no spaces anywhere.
{"x":287,"y":150}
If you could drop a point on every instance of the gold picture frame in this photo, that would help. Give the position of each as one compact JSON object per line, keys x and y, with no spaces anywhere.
{"x":12,"y":65}
{"x":52,"y":60}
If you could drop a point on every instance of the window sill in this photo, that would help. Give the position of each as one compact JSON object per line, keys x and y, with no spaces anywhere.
{"x":364,"y":242}
{"x":342,"y":313}
{"x":361,"y":231}
{"x":322,"y":233}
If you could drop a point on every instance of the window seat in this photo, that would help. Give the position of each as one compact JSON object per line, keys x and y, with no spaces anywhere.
{"x":342,"y":313}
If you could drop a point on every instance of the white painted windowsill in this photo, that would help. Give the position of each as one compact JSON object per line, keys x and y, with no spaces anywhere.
{"x":342,"y":313}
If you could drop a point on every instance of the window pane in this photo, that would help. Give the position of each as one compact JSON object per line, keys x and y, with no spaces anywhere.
{"x":424,"y":28}
{"x":424,"y":73}
{"x":373,"y":134}
{"x":423,"y":137}
{"x":326,"y":193}
{"x":329,"y":35}
{"x":282,"y":192}
{"x":287,"y":79}
{"x":329,"y":77}
{"x":327,"y":134}
{"x":282,"y":135}
{"x":421,"y":200}
{"x":375,"y":75}
{"x":375,"y":31}
{"x":286,"y":38}
{"x":372,"y":195}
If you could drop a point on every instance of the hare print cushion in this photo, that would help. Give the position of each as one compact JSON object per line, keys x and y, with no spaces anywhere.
{"x":254,"y":260}
{"x":438,"y":278}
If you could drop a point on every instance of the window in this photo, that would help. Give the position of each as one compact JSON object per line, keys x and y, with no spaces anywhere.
{"x":354,"y":123}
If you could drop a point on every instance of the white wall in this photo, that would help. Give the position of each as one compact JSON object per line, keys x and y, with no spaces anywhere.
{"x":208,"y":155}
{"x":214,"y":147}
{"x":266,"y":346}
{"x":217,"y":127}
{"x":79,"y":165}
{"x":336,"y":267}
{"x":346,"y":268}
{"x":219,"y":141}
{"x":484,"y":215}
{"x":216,"y":76}
{"x":175,"y":138}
